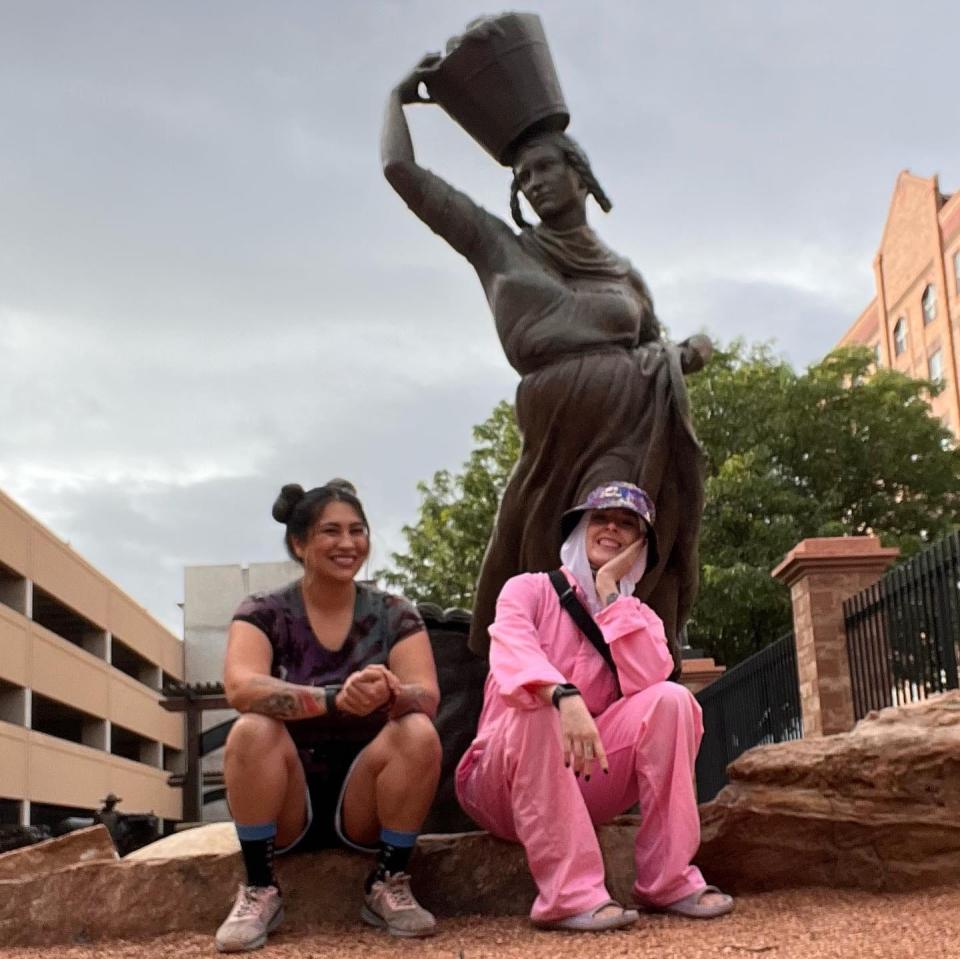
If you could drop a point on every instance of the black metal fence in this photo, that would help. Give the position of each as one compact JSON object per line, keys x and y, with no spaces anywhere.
{"x":903,"y":632}
{"x":755,"y":702}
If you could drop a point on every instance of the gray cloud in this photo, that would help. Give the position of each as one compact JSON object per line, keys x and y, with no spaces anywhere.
{"x":207,"y":289}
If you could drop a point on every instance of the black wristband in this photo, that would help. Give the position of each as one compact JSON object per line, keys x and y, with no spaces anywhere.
{"x":561,"y":691}
{"x":330,"y":699}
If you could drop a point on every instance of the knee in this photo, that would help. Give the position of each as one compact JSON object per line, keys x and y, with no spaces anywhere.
{"x":254,"y":735}
{"x":417,"y":739}
{"x":668,"y":702}
{"x":675,"y":695}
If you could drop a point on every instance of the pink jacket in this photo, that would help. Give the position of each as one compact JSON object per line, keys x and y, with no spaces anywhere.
{"x":533,"y":641}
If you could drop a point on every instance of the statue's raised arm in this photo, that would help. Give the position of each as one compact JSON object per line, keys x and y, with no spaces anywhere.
{"x":467,"y":227}
{"x":396,"y":147}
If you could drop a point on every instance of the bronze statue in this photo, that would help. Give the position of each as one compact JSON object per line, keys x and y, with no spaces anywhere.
{"x":601,"y":395}
{"x":108,"y":815}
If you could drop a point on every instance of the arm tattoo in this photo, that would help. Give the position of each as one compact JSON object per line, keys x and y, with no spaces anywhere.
{"x":286,"y":701}
{"x":611,"y":598}
{"x":413,"y":699}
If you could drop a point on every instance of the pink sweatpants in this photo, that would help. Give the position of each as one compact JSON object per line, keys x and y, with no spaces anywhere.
{"x":514,"y":784}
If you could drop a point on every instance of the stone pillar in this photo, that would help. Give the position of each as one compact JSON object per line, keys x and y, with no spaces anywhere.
{"x":821,"y":574}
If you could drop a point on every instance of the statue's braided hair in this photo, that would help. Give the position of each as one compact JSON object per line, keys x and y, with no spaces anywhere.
{"x":574,"y":155}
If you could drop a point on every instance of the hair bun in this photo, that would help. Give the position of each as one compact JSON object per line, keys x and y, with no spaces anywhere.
{"x":286,"y":502}
{"x":341,"y":484}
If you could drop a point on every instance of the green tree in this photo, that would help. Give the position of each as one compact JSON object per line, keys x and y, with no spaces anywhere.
{"x":835,"y":450}
{"x":839,"y":449}
{"x":445,"y":546}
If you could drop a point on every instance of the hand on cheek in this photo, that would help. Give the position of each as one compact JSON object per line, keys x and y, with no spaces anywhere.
{"x":610,"y":574}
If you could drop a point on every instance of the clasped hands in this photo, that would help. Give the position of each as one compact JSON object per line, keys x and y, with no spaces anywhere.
{"x":367,"y":690}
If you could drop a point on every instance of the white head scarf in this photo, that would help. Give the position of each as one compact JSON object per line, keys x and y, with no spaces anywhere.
{"x":573,"y":555}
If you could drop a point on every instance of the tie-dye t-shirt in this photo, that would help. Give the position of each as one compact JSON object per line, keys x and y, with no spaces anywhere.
{"x":380,"y":621}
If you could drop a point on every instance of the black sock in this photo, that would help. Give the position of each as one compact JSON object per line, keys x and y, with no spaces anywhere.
{"x":393,"y":856}
{"x":256,"y":844}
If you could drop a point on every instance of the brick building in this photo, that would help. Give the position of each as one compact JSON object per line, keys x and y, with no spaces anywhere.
{"x":913,"y":322}
{"x":81,"y":668}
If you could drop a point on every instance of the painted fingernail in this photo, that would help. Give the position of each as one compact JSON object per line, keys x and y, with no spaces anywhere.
{"x":586,"y":779}
{"x":577,"y":774}
{"x":566,"y":765}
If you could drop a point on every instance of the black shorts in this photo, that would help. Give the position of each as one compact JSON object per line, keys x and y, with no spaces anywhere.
{"x":327,"y":769}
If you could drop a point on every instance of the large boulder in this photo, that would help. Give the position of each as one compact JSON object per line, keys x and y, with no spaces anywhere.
{"x":876,"y":808}
{"x":213,"y":839}
{"x":144,"y":895}
{"x":92,"y":844}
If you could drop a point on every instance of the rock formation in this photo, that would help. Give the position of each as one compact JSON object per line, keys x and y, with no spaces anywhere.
{"x":876,"y":808}
{"x":139,"y":897}
{"x":85,"y":845}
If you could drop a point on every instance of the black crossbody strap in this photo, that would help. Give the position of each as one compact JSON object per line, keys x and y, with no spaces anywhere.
{"x":585,"y":622}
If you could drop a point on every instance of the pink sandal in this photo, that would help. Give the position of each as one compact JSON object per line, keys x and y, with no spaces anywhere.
{"x":589,"y":921}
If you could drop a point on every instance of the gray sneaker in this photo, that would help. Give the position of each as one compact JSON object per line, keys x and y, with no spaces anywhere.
{"x":258,"y":910}
{"x":390,"y":905}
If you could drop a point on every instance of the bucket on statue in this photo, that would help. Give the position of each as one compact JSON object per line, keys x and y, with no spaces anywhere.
{"x":499,"y":83}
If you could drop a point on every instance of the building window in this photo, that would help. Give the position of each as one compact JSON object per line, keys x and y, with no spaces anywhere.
{"x":929,"y":304}
{"x":877,"y":362}
{"x":935,"y":365}
{"x":956,"y":270}
{"x":900,"y":336}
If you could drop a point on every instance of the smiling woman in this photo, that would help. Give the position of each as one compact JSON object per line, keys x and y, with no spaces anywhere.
{"x":329,"y":524}
{"x":335,"y":745}
{"x":609,"y":532}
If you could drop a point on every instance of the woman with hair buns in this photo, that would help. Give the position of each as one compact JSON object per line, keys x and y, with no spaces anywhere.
{"x":335,"y":745}
{"x":602,"y":396}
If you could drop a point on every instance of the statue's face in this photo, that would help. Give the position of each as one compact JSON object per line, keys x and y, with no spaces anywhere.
{"x":547,"y":181}
{"x":611,"y":531}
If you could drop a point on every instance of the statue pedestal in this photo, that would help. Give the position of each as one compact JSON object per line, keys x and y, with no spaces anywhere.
{"x":699,"y":673}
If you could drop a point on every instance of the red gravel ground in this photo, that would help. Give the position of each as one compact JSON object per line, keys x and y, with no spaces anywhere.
{"x":794,"y":924}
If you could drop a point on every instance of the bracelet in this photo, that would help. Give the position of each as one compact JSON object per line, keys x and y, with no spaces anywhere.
{"x":330,"y":699}
{"x":561,"y":691}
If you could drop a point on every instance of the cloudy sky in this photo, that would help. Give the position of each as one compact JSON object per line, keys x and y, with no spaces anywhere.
{"x":207,"y":289}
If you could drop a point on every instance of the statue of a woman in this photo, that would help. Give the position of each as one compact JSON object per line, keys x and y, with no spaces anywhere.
{"x":601,"y":394}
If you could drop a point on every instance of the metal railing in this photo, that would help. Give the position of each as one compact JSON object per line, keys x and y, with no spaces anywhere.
{"x":756,"y":702}
{"x":903,"y":633}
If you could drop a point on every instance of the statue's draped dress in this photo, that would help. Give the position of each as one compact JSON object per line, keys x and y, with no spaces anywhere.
{"x":601,"y":398}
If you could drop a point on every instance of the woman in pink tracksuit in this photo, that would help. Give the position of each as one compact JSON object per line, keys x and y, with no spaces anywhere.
{"x":563,"y":743}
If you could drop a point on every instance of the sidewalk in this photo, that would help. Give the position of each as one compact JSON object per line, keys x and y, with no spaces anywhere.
{"x":793,"y":924}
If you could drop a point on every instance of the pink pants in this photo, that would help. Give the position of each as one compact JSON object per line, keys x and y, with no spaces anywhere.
{"x":516,"y":787}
